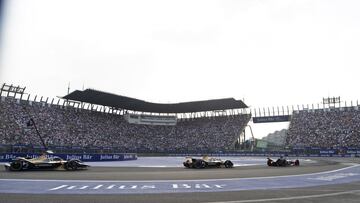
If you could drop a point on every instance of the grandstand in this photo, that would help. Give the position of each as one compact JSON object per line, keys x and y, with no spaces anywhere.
{"x":325,"y":128}
{"x":128,"y":125}
{"x":97,"y":121}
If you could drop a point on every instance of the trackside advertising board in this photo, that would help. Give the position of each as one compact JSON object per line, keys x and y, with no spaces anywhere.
{"x":271,"y":119}
{"x":83,"y":157}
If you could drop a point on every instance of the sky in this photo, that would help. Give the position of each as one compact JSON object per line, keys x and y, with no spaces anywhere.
{"x":267,"y":53}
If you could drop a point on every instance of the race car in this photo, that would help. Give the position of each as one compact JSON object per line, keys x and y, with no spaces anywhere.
{"x":44,"y":162}
{"x":206,"y":162}
{"x":282,"y":162}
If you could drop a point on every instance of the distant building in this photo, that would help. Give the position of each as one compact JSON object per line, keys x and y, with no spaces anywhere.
{"x":277,"y":137}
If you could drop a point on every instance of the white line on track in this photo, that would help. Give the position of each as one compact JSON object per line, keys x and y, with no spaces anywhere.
{"x":57,"y":188}
{"x":83,"y":187}
{"x":97,"y":187}
{"x":197,"y":180}
{"x":71,"y":187}
{"x":110,"y":187}
{"x":293,"y":198}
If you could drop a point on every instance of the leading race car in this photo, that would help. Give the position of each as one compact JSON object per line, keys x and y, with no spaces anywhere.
{"x":283,"y":162}
{"x":44,"y":162}
{"x":206,"y":162}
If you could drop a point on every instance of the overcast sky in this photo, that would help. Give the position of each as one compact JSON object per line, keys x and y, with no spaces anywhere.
{"x":269,"y":52}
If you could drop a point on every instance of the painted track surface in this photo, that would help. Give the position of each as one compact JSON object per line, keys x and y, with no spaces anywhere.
{"x":240,"y":184}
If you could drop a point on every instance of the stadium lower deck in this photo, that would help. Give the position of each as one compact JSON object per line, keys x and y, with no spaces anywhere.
{"x":163,"y":179}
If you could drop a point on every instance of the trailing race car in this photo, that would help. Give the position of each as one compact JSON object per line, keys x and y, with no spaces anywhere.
{"x":44,"y":162}
{"x":283,"y":162}
{"x":207,"y":162}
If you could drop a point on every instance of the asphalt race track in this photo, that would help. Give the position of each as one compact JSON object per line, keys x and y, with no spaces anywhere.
{"x":316,"y":180}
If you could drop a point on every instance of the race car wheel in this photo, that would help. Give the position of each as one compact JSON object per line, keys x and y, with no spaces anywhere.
{"x":228,"y":164}
{"x":297,"y":162}
{"x":200,"y":164}
{"x":71,"y":165}
{"x":16,"y":165}
{"x":186,"y":164}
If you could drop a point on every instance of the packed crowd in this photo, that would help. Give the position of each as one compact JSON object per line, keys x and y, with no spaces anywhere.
{"x":74,"y":127}
{"x":334,"y":128}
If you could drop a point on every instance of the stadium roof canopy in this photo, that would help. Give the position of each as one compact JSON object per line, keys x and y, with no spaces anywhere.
{"x":121,"y":102}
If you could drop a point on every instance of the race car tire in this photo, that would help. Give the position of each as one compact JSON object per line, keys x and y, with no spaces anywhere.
{"x":297,"y":162}
{"x":186,"y":165}
{"x":16,"y":165}
{"x":200,"y":164}
{"x":228,"y":164}
{"x":71,"y":165}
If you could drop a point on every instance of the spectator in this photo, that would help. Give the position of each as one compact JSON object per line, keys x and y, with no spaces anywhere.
{"x":84,"y":128}
{"x":330,"y":128}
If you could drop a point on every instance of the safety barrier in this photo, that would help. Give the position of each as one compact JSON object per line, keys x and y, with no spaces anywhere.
{"x":4,"y":157}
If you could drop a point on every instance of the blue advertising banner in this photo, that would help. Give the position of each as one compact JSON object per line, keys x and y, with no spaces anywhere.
{"x":5,"y":157}
{"x":270,"y":119}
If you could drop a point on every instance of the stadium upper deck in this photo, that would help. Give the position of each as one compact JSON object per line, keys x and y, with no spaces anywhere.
{"x":121,"y":102}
